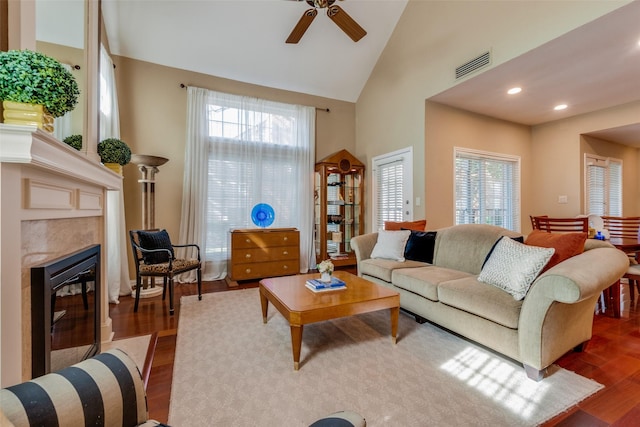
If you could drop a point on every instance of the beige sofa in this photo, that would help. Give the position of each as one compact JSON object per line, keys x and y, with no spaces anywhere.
{"x":555,"y":316}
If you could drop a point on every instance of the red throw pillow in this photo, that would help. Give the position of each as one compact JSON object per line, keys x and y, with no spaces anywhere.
{"x":406,"y":225}
{"x":565,"y":244}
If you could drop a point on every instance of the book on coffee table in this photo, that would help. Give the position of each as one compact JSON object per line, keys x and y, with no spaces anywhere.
{"x":327,"y":288}
{"x":318,"y":285}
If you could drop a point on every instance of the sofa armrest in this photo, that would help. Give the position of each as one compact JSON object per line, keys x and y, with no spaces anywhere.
{"x":582,"y":276}
{"x":557,"y":313}
{"x":363,"y":246}
{"x":106,"y":389}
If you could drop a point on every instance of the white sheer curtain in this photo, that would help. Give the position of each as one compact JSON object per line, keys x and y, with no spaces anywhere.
{"x":109,"y":114}
{"x":242,"y":151}
{"x":118,"y":268}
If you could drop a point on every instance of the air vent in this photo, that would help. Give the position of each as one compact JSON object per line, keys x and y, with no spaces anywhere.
{"x":473,"y":65}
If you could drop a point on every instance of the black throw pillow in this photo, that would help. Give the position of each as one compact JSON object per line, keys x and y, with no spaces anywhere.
{"x":155,"y":240}
{"x":420,"y":246}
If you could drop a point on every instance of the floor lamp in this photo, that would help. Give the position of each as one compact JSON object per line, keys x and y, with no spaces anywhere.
{"x":148,"y":167}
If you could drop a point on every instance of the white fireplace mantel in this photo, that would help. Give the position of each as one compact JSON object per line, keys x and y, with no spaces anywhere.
{"x":42,"y":178}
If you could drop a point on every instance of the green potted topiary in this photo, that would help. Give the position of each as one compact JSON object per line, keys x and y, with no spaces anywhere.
{"x":74,"y":141}
{"x":114,"y":153}
{"x":30,"y":78}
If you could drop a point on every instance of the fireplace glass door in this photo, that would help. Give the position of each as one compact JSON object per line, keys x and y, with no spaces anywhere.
{"x":65,"y":315}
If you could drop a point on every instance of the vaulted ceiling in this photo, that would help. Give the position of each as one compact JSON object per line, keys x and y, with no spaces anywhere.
{"x":593,"y":67}
{"x":245,"y":40}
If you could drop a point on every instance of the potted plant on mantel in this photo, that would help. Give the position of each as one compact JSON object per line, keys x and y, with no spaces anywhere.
{"x":74,"y":141}
{"x":114,"y":153}
{"x":35,"y":88}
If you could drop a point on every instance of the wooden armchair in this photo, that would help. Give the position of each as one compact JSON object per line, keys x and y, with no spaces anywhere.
{"x":560,"y":225}
{"x":154,"y":256}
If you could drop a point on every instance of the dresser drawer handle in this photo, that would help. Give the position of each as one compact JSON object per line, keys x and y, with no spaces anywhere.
{"x":286,"y":267}
{"x":285,"y":253}
{"x":248,"y":240}
{"x":247,"y":256}
{"x":248,"y":270}
{"x":286,"y":238}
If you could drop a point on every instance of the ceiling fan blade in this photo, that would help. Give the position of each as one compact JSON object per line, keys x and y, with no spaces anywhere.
{"x":346,"y":23}
{"x":302,"y":25}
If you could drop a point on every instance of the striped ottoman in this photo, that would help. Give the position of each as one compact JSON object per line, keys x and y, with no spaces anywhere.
{"x":341,"y":419}
{"x":105,"y":390}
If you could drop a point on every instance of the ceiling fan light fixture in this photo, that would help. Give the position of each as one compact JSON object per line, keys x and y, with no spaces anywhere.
{"x":560,"y":107}
{"x":514,"y":90}
{"x":337,"y":15}
{"x":321,"y":4}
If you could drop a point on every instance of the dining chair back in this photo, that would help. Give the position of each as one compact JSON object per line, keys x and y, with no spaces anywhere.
{"x":560,"y":225}
{"x":622,"y":226}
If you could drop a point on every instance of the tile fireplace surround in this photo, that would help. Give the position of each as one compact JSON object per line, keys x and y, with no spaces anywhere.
{"x":53,"y":202}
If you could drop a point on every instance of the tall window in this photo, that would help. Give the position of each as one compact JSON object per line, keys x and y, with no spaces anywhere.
{"x":393,"y":187}
{"x":603,"y":185}
{"x":242,"y":151}
{"x":487,"y":188}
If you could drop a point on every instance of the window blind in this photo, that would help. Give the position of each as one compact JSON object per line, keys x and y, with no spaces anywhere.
{"x":487,"y":189}
{"x":390,"y":192}
{"x":603,"y":186}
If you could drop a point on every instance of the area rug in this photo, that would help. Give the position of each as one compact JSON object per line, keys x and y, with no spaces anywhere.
{"x":232,"y":370}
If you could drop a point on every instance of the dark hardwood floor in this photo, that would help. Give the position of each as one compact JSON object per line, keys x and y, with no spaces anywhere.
{"x":611,"y":358}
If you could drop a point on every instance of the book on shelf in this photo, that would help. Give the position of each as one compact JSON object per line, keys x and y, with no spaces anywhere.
{"x":318,"y":284}
{"x":328,"y":288}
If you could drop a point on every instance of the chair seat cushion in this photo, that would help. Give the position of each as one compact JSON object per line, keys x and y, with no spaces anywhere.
{"x":178,"y":266}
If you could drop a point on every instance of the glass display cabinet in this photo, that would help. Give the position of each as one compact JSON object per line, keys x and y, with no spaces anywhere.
{"x":339,"y":207}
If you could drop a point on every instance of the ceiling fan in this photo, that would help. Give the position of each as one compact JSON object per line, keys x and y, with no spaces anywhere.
{"x":337,"y":15}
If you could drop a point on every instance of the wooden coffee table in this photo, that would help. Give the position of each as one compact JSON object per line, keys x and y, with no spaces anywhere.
{"x":301,"y":306}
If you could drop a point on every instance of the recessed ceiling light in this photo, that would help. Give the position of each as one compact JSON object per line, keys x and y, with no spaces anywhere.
{"x":560,"y":107}
{"x":514,"y":90}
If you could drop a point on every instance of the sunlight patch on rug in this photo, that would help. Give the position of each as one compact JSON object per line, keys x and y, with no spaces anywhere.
{"x":499,"y":380}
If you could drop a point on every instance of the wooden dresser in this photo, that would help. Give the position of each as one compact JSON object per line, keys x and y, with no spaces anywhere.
{"x":258,"y":253}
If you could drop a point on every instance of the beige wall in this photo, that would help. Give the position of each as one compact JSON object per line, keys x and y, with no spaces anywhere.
{"x":153,"y":121}
{"x":431,"y":39}
{"x":447,"y":128}
{"x":552,"y":159}
{"x":558,"y":160}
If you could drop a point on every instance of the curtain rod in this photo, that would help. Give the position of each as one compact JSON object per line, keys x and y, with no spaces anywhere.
{"x":326,"y":110}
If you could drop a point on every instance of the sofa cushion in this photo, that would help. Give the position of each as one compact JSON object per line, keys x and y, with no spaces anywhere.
{"x":513,"y":266}
{"x":420,"y":246}
{"x":481,"y":299}
{"x":390,"y":245}
{"x":464,"y":247}
{"x":424,"y":281}
{"x":382,"y":268}
{"x":419,"y":225}
{"x":566,"y":245}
